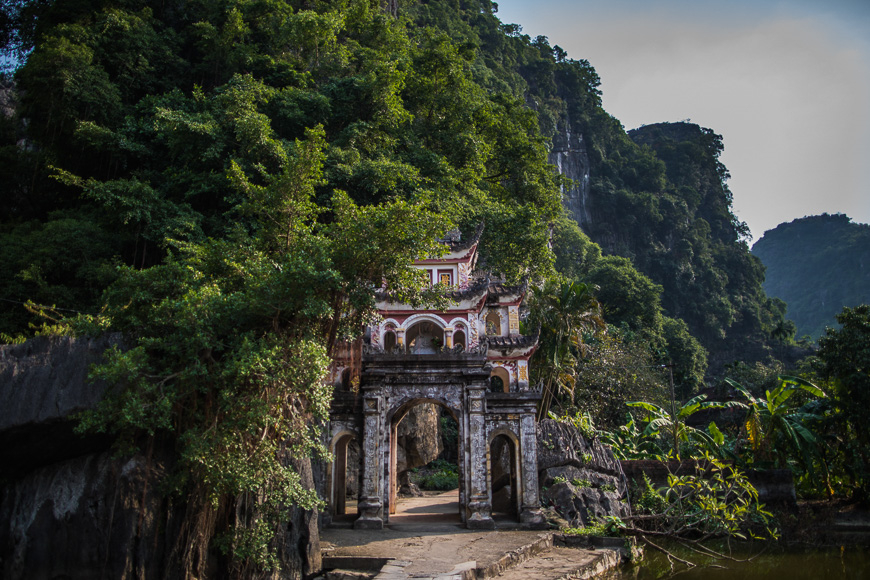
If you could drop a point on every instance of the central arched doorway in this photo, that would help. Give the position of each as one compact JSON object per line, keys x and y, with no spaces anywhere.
{"x":440,"y":475}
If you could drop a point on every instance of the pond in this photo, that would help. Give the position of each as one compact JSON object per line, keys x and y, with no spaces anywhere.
{"x":838,"y":563}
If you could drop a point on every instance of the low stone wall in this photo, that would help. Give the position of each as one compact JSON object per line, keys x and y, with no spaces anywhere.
{"x":775,"y":486}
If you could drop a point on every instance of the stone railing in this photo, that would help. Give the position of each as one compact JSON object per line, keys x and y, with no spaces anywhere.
{"x":375,"y":350}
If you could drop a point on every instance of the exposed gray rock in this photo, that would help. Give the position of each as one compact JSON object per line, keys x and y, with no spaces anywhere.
{"x":89,"y":517}
{"x":579,"y":478}
{"x":298,"y":539}
{"x":45,"y":379}
{"x":8,"y":98}
{"x":500,"y":463}
{"x":353,"y":468}
{"x":568,"y":154}
{"x":70,"y":509}
{"x":418,"y":437}
{"x":43,"y":384}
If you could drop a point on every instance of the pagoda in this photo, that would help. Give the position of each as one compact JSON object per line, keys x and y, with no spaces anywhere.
{"x":468,"y":357}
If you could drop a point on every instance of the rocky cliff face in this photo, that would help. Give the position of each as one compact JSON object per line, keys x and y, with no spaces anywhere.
{"x":580,"y":479}
{"x":88,"y":517}
{"x":69,"y":508}
{"x":568,"y":154}
{"x":43,"y":383}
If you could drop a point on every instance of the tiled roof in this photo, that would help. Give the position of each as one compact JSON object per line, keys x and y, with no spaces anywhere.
{"x":497,"y":289}
{"x":512,"y":341}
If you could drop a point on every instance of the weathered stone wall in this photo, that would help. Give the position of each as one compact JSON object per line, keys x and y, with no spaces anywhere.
{"x":69,"y":508}
{"x":774,"y":486}
{"x":579,"y":478}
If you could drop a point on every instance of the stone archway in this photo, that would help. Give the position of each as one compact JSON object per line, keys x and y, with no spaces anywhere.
{"x":391,"y":383}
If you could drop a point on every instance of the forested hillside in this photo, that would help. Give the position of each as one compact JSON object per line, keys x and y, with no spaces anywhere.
{"x":134,"y":115}
{"x":226,"y":182}
{"x":818,"y":265}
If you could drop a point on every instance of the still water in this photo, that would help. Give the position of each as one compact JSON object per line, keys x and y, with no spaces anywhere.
{"x":840,"y":563}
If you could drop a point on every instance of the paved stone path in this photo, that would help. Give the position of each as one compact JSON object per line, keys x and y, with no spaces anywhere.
{"x":425,"y":540}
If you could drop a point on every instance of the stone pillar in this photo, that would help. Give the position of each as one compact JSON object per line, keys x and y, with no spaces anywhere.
{"x":473,"y":331}
{"x":522,"y":375}
{"x":339,"y":477}
{"x":448,"y":337}
{"x":530,"y":512}
{"x":394,"y":440}
{"x":479,"y":506}
{"x":400,"y":339}
{"x":371,"y":507}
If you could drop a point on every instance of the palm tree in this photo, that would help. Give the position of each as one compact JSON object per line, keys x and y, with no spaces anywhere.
{"x":563,"y":311}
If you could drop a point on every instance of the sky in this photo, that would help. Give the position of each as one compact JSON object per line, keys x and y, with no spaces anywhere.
{"x":786,"y":84}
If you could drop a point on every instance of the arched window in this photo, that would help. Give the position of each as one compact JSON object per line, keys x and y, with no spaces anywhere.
{"x":459,"y":337}
{"x":424,"y":338}
{"x":389,"y":341}
{"x":493,"y":324}
{"x":499,"y":380}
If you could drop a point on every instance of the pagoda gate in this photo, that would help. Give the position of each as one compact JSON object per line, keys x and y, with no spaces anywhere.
{"x":469,"y":359}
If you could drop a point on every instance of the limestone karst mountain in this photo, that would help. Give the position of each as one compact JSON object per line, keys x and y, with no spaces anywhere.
{"x":817,"y":265}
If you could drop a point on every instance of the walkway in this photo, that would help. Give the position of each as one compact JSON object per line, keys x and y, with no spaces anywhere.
{"x":425,"y":540}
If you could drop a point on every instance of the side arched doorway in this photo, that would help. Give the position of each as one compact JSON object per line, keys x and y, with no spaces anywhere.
{"x":504,"y":469}
{"x":339,"y":472}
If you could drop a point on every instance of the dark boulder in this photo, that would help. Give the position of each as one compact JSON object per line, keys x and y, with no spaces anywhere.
{"x":579,"y":478}
{"x":43,"y":384}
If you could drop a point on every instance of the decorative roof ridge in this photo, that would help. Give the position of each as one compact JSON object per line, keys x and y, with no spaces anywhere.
{"x":513,"y":341}
{"x":477,"y":288}
{"x":497,"y":289}
{"x":482,"y":285}
{"x":458,"y":246}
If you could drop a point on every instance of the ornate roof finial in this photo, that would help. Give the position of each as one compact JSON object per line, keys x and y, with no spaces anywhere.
{"x":453,"y":235}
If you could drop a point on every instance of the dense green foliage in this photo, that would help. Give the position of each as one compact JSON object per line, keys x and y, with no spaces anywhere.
{"x":817,"y":265}
{"x":137,"y":114}
{"x":844,"y":364}
{"x":686,"y":238}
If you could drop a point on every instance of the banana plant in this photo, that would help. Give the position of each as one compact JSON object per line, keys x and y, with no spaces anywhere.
{"x":775,"y":427}
{"x":673,"y":425}
{"x":630,"y":442}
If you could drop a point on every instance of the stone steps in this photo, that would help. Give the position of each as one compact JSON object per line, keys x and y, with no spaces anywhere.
{"x":537,"y":560}
{"x":561,"y":563}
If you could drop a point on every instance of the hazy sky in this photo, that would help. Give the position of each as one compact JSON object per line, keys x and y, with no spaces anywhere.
{"x":787,"y":85}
